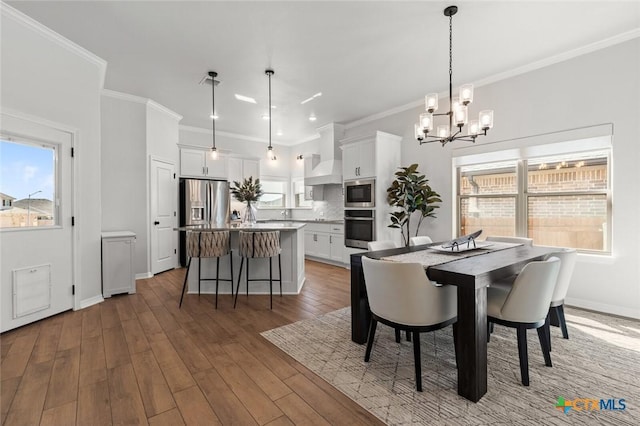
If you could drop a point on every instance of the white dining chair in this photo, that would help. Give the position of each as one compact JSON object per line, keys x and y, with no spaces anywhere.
{"x":556,"y":310}
{"x":401,"y":296}
{"x":515,"y":240}
{"x":526,"y":306}
{"x":381,"y":245}
{"x":420,"y":240}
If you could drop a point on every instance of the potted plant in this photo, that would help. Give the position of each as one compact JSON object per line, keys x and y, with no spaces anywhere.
{"x":410,"y":192}
{"x":248,"y":192}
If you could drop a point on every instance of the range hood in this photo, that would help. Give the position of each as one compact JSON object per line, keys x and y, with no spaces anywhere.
{"x":325,"y":168}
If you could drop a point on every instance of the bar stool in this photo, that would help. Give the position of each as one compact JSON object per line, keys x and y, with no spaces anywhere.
{"x":208,"y":244}
{"x":260,"y":244}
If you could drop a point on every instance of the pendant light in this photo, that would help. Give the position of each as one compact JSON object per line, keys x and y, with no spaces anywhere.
{"x":458,"y":113}
{"x":270,"y":154}
{"x":214,"y":150}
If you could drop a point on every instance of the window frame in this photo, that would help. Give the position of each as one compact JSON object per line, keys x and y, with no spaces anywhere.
{"x":523,"y":195}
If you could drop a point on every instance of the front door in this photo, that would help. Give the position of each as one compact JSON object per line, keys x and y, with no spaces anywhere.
{"x":163,"y":197}
{"x":36,"y":234}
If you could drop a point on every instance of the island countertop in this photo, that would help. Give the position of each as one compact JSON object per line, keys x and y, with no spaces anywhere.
{"x":266,"y":226}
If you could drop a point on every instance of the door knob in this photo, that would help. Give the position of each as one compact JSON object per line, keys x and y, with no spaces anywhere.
{"x":156,"y":223}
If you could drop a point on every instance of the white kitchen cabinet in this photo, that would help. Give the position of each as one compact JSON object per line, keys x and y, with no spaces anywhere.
{"x":325,"y":241}
{"x":118,"y":274}
{"x":358,"y":160}
{"x":242,"y":168}
{"x":198,"y":163}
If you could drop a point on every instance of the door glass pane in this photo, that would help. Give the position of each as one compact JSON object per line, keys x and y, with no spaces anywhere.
{"x":568,"y":173}
{"x":495,"y":216}
{"x":578,"y":221}
{"x":27,"y":184}
{"x":494,"y":178}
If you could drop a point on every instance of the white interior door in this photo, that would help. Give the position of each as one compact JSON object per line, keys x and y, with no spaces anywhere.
{"x":36,"y":234}
{"x":163,"y":197}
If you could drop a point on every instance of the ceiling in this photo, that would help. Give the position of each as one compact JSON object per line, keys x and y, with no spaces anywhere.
{"x":365,"y":57}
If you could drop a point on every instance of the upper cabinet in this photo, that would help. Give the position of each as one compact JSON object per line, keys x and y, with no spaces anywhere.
{"x":358,"y":160}
{"x":198,"y":163}
{"x":241,"y":168}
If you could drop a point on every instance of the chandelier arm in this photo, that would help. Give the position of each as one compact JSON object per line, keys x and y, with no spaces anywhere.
{"x":450,"y":72}
{"x":435,"y":114}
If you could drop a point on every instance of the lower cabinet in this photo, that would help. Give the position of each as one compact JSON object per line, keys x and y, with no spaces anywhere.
{"x":324,"y":241}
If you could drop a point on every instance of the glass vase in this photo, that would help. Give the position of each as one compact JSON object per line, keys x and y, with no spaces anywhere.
{"x":249,"y":217}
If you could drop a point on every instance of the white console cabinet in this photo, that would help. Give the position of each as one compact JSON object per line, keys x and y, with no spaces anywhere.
{"x":118,"y":273}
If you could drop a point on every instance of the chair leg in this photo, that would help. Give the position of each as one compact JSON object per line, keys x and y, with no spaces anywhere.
{"x":544,"y":344}
{"x":235,"y":300}
{"x":547,"y":329}
{"x":562,"y":321}
{"x":372,"y":332}
{"x":416,"y":358}
{"x":522,"y":353}
{"x":231,"y":267}
{"x":398,"y":335}
{"x":247,"y":278}
{"x":184,"y":286}
{"x":408,"y":336}
{"x":199,"y":274}
{"x":217,"y":278}
{"x":280,"y":272}
{"x":271,"y":283}
{"x":489,"y":330}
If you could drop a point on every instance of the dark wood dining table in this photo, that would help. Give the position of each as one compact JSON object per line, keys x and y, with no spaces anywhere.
{"x":471,"y":276}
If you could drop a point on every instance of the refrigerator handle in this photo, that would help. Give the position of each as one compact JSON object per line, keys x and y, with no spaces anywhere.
{"x":207,"y":213}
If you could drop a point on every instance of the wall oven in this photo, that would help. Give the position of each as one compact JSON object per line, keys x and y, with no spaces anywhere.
{"x":359,"y":228}
{"x":360,"y":193}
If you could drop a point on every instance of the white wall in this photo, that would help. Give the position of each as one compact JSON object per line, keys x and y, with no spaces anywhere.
{"x":45,"y":76}
{"x":133,"y":130}
{"x":124,"y":172}
{"x":598,"y":87}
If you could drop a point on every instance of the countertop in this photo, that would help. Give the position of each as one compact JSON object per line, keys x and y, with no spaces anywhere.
{"x":270,"y":226}
{"x":333,"y":221}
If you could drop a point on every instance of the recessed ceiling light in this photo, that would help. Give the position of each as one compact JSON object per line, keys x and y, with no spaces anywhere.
{"x":265,"y":116}
{"x":312,"y":117}
{"x":245,"y":98}
{"x":279,"y":133}
{"x":273,"y":107}
{"x":311,"y":98}
{"x":213,"y":116}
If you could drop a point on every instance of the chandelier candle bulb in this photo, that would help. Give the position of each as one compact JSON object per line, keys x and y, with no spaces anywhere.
{"x":486,"y":119}
{"x":431,"y":102}
{"x":474,"y":128}
{"x":426,"y":121}
{"x":466,"y":93}
{"x":419,"y":134}
{"x":460,"y":115}
{"x":443,"y":131}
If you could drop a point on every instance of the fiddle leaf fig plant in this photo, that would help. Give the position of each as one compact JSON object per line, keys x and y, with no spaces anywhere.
{"x":410,"y":192}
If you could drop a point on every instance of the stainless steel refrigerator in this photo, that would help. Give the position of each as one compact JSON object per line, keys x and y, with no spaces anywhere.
{"x":202,"y":201}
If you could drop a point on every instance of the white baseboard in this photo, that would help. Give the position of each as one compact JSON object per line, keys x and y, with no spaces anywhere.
{"x":327,"y":261}
{"x":144,"y":276}
{"x":91,"y":301}
{"x":603,"y":307}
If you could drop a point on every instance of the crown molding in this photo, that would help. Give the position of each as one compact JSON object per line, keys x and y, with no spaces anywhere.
{"x":163,"y":109}
{"x":30,"y":23}
{"x":583,"y":50}
{"x":140,"y":100}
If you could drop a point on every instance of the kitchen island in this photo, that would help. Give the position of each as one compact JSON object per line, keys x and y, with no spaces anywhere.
{"x":291,"y":243}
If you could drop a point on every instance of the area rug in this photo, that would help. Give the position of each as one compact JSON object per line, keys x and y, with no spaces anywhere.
{"x":600,"y":361}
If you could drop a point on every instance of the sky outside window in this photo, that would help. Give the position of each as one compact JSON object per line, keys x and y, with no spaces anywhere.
{"x":25,"y":169}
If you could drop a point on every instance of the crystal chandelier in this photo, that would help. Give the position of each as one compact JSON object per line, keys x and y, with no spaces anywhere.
{"x":458,"y":112}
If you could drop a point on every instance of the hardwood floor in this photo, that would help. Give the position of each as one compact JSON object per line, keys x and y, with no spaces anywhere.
{"x":138,"y":359}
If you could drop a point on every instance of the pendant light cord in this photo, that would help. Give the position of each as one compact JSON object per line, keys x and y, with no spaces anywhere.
{"x":450,"y":74}
{"x":269,"y":74}
{"x":213,"y":75}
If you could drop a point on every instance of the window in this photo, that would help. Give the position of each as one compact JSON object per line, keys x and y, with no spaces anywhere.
{"x":558,"y":200}
{"x":274,"y":194}
{"x":27,"y":184}
{"x":300,"y":194}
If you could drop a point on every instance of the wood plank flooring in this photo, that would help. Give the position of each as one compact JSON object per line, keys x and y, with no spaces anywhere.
{"x":138,"y":359}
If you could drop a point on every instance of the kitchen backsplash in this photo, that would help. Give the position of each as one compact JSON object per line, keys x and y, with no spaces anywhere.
{"x":331,"y":208}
